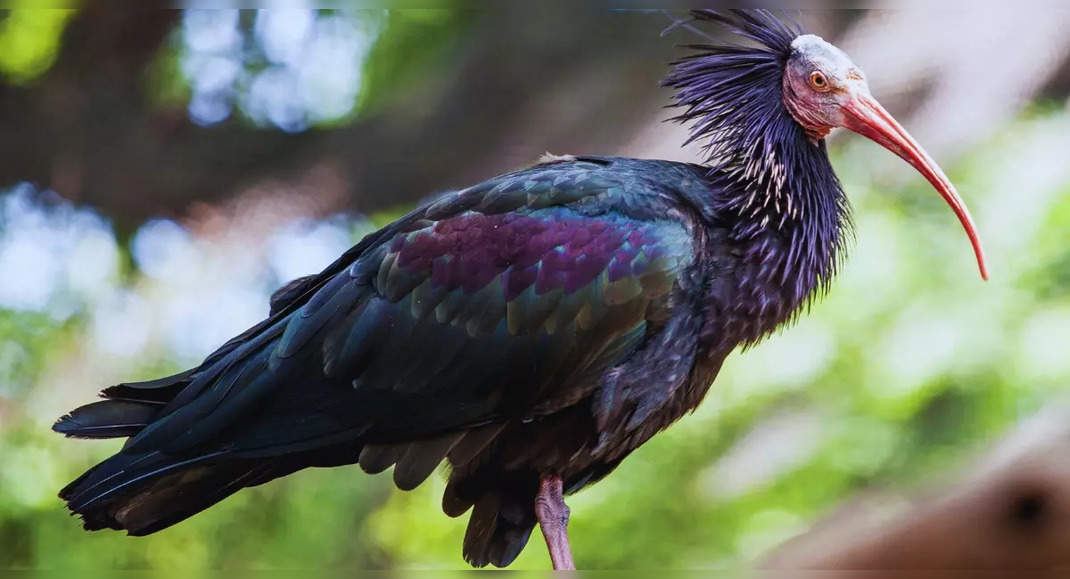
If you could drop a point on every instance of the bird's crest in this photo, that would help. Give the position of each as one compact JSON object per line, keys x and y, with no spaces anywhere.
{"x":732,"y":91}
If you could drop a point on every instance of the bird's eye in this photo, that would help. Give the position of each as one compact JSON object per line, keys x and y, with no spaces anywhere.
{"x":819,"y":82}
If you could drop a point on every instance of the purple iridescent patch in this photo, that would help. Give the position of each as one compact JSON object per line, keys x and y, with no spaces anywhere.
{"x":550,"y":253}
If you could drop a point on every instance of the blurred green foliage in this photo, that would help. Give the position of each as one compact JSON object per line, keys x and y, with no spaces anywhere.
{"x":29,"y":40}
{"x":412,"y":42}
{"x":902,"y":372}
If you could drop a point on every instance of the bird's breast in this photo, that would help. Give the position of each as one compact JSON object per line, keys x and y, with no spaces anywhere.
{"x":757,"y":285}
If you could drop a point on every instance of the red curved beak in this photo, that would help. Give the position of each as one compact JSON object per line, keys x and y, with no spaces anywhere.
{"x":865,"y":116}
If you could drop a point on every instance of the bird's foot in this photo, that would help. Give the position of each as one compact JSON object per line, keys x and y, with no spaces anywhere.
{"x":552,"y":513}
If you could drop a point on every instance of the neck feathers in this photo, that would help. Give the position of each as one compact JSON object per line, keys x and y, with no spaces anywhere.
{"x":773,"y":180}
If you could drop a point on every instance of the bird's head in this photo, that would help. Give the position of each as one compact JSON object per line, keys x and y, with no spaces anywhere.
{"x":790,"y":82}
{"x":821,"y":84}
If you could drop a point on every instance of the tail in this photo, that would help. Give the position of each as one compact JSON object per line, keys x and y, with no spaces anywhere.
{"x":145,"y":492}
{"x":142,"y":494}
{"x":128,"y":408}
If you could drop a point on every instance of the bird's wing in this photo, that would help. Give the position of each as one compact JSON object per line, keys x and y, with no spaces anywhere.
{"x":500,"y":301}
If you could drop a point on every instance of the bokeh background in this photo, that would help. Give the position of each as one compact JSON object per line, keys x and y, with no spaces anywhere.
{"x":162,"y":172}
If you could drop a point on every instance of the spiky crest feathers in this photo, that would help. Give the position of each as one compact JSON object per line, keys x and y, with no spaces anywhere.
{"x":774,"y":175}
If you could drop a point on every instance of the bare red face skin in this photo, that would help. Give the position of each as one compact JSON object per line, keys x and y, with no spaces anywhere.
{"x":865,"y":116}
{"x":823,"y":89}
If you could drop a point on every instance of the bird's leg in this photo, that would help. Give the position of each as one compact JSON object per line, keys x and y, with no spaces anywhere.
{"x":552,"y":513}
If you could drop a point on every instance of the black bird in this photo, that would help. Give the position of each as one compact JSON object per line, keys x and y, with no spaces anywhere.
{"x":531,"y":330}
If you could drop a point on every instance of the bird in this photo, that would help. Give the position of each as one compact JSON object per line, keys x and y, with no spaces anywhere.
{"x":531,"y":330}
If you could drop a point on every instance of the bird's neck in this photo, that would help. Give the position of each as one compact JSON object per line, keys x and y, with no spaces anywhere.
{"x":787,"y":218}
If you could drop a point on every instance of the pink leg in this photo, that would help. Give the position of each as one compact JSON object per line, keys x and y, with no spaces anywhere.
{"x":552,"y":513}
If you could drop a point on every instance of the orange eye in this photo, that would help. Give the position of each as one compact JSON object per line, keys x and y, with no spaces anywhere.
{"x":819,"y":82}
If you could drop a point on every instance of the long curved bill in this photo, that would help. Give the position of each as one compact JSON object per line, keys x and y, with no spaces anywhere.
{"x":865,"y":116}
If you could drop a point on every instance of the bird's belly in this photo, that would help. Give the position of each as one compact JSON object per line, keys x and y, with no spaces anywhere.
{"x":570,"y":444}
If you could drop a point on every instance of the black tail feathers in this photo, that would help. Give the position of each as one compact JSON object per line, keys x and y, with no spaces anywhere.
{"x":107,"y":419}
{"x":143,"y":494}
{"x":126,"y":410}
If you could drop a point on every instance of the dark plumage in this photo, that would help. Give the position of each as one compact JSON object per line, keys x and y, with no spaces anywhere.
{"x":532,"y":330}
{"x":770,"y":180}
